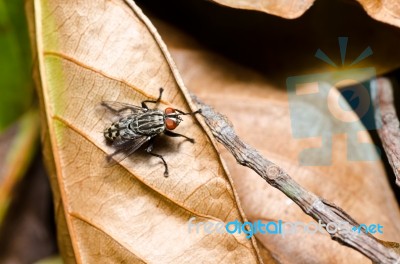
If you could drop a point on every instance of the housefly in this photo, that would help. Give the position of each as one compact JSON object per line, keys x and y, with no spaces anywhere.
{"x":138,"y":125}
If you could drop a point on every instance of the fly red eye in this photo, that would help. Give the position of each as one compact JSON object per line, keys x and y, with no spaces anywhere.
{"x":170,"y":123}
{"x":169,"y":110}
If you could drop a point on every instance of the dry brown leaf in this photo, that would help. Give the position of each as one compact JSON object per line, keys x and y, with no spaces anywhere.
{"x":387,"y":11}
{"x":89,"y":51}
{"x":278,"y":47}
{"x":260,"y":113}
{"x":283,"y":8}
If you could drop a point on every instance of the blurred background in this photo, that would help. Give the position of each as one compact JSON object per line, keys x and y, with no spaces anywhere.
{"x":27,"y":227}
{"x":253,"y":39}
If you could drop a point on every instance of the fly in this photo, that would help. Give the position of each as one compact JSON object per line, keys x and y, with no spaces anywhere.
{"x":139,"y":125}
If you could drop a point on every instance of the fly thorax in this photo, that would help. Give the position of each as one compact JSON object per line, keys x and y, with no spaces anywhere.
{"x":150,"y":123}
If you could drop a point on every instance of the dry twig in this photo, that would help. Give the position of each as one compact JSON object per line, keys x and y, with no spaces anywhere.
{"x":311,"y":204}
{"x":388,"y":125}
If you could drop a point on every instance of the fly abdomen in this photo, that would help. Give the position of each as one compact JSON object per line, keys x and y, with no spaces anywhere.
{"x":120,"y":130}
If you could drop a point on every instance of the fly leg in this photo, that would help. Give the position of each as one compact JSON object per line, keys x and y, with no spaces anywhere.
{"x":173,"y":134}
{"x":153,"y":101}
{"x":190,"y":113}
{"x":149,"y":150}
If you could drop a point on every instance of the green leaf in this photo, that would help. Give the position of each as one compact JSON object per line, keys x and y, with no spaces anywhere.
{"x":15,"y":62}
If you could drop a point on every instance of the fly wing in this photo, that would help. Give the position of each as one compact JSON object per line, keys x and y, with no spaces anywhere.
{"x":122,"y":109}
{"x":125,"y":148}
